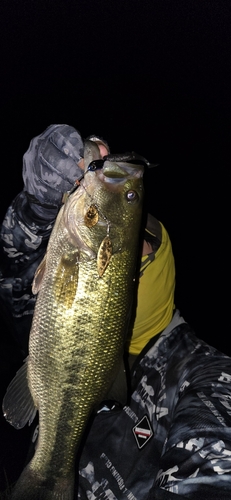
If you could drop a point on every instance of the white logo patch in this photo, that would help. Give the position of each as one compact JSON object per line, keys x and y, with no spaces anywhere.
{"x":142,"y":432}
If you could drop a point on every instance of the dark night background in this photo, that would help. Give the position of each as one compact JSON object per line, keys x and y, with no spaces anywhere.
{"x":151,"y":76}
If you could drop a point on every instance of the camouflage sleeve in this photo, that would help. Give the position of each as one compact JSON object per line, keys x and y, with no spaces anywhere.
{"x":23,"y":242}
{"x":50,"y":168}
{"x":196,"y":459}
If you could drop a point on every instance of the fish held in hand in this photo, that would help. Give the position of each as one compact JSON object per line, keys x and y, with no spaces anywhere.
{"x":85,"y":286}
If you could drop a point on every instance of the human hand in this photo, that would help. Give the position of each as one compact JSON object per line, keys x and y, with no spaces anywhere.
{"x":51,"y":166}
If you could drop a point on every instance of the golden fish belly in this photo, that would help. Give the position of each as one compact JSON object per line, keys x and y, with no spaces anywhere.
{"x":77,"y":339}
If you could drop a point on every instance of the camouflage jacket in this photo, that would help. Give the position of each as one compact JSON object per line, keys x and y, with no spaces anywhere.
{"x":173,"y":440}
{"x":22,"y":247}
{"x":174,"y":437}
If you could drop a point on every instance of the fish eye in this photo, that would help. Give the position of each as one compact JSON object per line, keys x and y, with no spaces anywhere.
{"x":131,"y":195}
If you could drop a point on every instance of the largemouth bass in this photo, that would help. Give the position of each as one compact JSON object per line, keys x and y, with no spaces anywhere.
{"x":85,"y":286}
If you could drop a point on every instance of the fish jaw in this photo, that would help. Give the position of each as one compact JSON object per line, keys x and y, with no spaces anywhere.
{"x":116,"y":193}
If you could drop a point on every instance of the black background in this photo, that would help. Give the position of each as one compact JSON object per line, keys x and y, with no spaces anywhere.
{"x":151,"y":76}
{"x":147,"y":75}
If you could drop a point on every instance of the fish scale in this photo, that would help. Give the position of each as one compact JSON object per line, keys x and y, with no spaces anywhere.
{"x":80,"y":321}
{"x":81,"y":357}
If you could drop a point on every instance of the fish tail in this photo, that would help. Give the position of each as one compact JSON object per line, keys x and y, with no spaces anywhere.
{"x":31,"y":486}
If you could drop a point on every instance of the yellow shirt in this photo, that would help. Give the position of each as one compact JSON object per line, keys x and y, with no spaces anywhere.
{"x":155,"y":301}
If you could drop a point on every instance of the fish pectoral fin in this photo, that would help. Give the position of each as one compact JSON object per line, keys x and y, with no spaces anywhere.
{"x":38,"y":277}
{"x":18,"y":405}
{"x":104,"y":255}
{"x":67,"y":279}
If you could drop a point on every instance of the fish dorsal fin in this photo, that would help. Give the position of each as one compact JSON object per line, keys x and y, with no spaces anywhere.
{"x":104,"y":255}
{"x":38,"y":277}
{"x":18,"y":405}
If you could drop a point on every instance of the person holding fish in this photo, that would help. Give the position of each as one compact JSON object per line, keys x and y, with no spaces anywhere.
{"x":169,"y":436}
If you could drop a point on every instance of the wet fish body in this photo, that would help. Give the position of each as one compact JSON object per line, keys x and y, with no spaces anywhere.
{"x":85,"y":284}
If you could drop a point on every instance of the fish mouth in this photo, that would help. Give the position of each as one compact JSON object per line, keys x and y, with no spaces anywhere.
{"x":118,"y":172}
